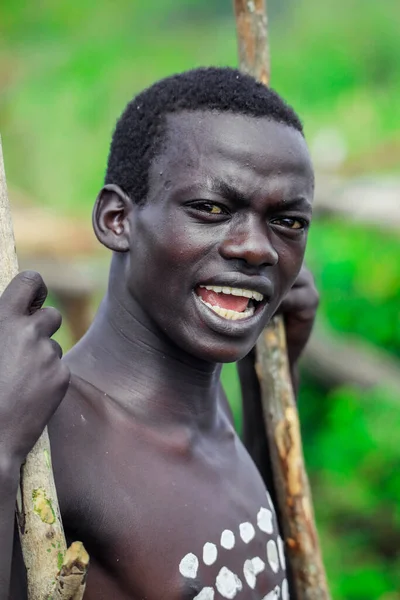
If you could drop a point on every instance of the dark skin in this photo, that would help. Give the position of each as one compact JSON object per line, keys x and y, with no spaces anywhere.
{"x":147,"y":464}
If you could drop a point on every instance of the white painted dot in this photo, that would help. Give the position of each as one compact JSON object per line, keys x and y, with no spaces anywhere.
{"x":227,"y":539}
{"x":285,"y":590}
{"x":281,"y":552}
{"x":189,"y":565}
{"x":271,"y":596}
{"x":258,"y":565}
{"x":272,"y":554}
{"x":277,"y":591}
{"x":247,"y":532}
{"x":249,"y":575}
{"x":264,"y":520}
{"x":210,"y":553}
{"x":207,"y":593}
{"x":227,"y":583}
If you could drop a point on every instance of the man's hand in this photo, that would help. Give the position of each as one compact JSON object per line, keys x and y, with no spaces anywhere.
{"x":299,"y":308}
{"x":33,"y":380}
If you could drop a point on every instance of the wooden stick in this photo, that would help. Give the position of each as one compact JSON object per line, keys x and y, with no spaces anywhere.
{"x":279,"y":407}
{"x":290,"y":477}
{"x":38,"y":514}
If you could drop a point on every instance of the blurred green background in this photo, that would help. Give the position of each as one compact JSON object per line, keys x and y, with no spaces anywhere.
{"x":66,"y":73}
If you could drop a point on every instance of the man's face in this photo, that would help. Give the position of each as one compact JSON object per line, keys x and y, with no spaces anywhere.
{"x":226,"y":218}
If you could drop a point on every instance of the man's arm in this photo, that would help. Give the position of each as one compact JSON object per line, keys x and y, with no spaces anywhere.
{"x":299,"y":309}
{"x":8,"y":487}
{"x":33,"y":381}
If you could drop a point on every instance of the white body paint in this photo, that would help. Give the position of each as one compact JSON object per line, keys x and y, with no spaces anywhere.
{"x":274,"y":595}
{"x":210,"y":553}
{"x":206,"y":593}
{"x":247,"y":532}
{"x":251,"y":568}
{"x":227,"y":583}
{"x":189,"y":565}
{"x":249,"y":574}
{"x":258,"y":565}
{"x":264,"y":520}
{"x":281,"y":552}
{"x":227,"y":539}
{"x":272,"y":555}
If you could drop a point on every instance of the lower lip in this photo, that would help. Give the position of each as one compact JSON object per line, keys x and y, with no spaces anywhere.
{"x":228,"y":326}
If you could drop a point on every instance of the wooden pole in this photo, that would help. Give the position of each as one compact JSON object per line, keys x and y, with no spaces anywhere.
{"x":53,"y":573}
{"x":272,"y":366}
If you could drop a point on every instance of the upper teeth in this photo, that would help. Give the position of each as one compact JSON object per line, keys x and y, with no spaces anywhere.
{"x":234,"y":291}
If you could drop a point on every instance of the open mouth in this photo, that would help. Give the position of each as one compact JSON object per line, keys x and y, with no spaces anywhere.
{"x":230,"y":302}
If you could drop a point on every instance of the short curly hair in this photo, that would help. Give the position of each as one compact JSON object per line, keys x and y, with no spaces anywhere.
{"x":141,"y":129}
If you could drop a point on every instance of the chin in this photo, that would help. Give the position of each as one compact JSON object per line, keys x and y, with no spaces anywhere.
{"x":222,"y":352}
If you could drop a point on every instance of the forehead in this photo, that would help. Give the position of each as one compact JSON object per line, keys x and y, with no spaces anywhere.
{"x":241,"y":148}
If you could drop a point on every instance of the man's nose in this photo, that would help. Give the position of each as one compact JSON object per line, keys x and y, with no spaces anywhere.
{"x":250,"y":243}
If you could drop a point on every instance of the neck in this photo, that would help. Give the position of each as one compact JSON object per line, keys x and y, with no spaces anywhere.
{"x":128,"y":358}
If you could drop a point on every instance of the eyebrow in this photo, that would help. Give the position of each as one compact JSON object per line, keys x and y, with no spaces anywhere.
{"x":299,"y":203}
{"x":228,"y":191}
{"x":231,"y":193}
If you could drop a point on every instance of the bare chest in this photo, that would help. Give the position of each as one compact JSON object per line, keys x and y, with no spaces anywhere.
{"x":180,"y":529}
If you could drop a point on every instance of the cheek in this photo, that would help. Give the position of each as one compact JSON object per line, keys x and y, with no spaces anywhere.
{"x":168,"y":255}
{"x":291,"y":258}
{"x":178,"y":244}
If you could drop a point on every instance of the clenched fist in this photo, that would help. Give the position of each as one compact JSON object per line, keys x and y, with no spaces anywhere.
{"x":33,"y":380}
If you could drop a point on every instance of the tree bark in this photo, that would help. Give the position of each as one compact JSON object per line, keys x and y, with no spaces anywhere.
{"x":38,"y":514}
{"x":252,"y":35}
{"x":272,"y":366}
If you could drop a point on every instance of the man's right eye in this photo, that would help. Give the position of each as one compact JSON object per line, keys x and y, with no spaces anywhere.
{"x":210,"y":208}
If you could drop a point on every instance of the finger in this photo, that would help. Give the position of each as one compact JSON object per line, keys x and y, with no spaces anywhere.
{"x":47,"y":320}
{"x":299,"y":300}
{"x":295,"y":297}
{"x":305,"y":277}
{"x":57,"y":348}
{"x":25,"y":294}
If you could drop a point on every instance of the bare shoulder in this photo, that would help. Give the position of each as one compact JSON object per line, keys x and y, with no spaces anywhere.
{"x":77,"y":431}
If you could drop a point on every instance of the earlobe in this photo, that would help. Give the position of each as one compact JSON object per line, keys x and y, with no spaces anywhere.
{"x":111,"y":218}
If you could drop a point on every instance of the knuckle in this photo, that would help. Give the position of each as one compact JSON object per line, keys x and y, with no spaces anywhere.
{"x":52,"y":316}
{"x":56,"y":348}
{"x":31,"y":330}
{"x":65,"y":375}
{"x":307,"y":274}
{"x":314,"y":295}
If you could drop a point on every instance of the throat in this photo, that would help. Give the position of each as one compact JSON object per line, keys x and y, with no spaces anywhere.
{"x":226,"y":301}
{"x":154,"y":380}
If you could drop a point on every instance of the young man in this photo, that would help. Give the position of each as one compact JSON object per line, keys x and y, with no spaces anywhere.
{"x":206,"y":207}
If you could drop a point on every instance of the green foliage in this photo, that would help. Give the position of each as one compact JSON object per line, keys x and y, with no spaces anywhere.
{"x":350,"y":436}
{"x":358,"y":270}
{"x":67,"y":70}
{"x":353,"y":457}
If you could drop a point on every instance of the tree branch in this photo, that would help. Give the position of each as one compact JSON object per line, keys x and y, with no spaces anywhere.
{"x":38,"y":514}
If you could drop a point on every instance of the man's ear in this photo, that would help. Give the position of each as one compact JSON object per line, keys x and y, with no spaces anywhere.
{"x":111,"y":218}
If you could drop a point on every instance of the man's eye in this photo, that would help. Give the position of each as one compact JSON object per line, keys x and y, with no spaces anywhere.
{"x":210,"y":208}
{"x":291,"y":223}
